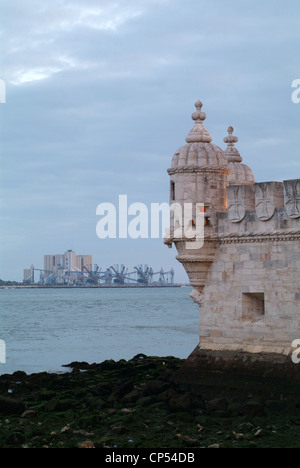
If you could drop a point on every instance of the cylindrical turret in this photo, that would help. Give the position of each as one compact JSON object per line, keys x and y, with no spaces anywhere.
{"x":240,"y":174}
{"x":199,"y":175}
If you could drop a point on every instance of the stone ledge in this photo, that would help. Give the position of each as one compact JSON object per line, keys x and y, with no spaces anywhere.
{"x":252,"y":349}
{"x":231,"y":366}
{"x":214,"y":169}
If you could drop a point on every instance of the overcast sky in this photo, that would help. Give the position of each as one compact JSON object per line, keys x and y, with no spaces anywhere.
{"x":100,"y":95}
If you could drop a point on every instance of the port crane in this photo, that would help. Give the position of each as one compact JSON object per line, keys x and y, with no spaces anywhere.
{"x":93,"y":276}
{"x":164,"y":276}
{"x":141,"y":275}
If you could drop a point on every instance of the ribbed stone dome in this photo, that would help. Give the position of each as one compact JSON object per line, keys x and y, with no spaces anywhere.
{"x":200,"y":155}
{"x":199,"y":151}
{"x":240,"y":174}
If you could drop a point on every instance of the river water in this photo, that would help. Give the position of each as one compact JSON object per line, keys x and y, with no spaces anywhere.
{"x":46,"y":328}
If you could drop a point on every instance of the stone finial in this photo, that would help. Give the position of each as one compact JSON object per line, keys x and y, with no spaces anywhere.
{"x":231,"y":152}
{"x":230,"y":139}
{"x":199,"y":115}
{"x":198,"y":134}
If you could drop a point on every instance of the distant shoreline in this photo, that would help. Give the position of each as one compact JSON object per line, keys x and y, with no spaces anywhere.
{"x":98,"y":286}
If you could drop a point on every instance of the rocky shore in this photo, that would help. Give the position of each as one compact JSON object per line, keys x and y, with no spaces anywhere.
{"x":141,"y":403}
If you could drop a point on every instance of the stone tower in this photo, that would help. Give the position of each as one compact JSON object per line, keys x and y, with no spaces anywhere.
{"x":246,"y":276}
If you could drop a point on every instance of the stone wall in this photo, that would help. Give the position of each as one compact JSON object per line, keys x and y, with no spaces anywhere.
{"x":251,"y":297}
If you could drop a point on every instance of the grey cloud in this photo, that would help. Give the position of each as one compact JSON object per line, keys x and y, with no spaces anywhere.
{"x":99,"y":97}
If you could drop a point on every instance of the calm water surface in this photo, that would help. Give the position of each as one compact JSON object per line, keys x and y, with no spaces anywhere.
{"x":46,"y":328}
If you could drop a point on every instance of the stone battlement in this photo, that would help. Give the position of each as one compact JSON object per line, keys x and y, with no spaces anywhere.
{"x":261,"y":207}
{"x":264,"y":198}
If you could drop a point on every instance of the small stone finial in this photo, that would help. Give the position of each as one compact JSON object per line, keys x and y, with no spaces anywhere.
{"x":199,"y":115}
{"x":198,"y":134}
{"x":231,"y":152}
{"x":230,"y":139}
{"x":198,"y":105}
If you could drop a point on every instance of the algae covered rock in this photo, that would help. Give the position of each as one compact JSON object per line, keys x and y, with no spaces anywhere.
{"x":10,"y":405}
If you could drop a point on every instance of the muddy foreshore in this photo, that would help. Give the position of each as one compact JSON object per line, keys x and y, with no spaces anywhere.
{"x":140,"y":403}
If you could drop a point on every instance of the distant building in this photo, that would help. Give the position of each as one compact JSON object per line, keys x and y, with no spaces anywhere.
{"x":53,"y":264}
{"x":29,"y":275}
{"x":59,"y":263}
{"x":84,"y":261}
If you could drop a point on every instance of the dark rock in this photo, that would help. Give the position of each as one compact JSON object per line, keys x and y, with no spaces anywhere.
{"x":51,"y":405}
{"x":60,"y":405}
{"x":64,"y":405}
{"x":16,"y":438}
{"x":247,"y":426}
{"x":164,"y":396}
{"x":11,"y":406}
{"x":276,"y":405}
{"x":109,"y":364}
{"x":121,"y":390}
{"x":47,"y":395}
{"x":221,"y":414}
{"x":78,"y":365}
{"x":145,"y":401}
{"x":19,"y":375}
{"x":154,"y":387}
{"x":253,"y":409}
{"x":132,"y":396}
{"x":179,"y":403}
{"x":104,"y":388}
{"x":219,"y":404}
{"x":189,"y":442}
{"x":96,"y":403}
{"x":139,"y":357}
{"x":119,"y":429}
